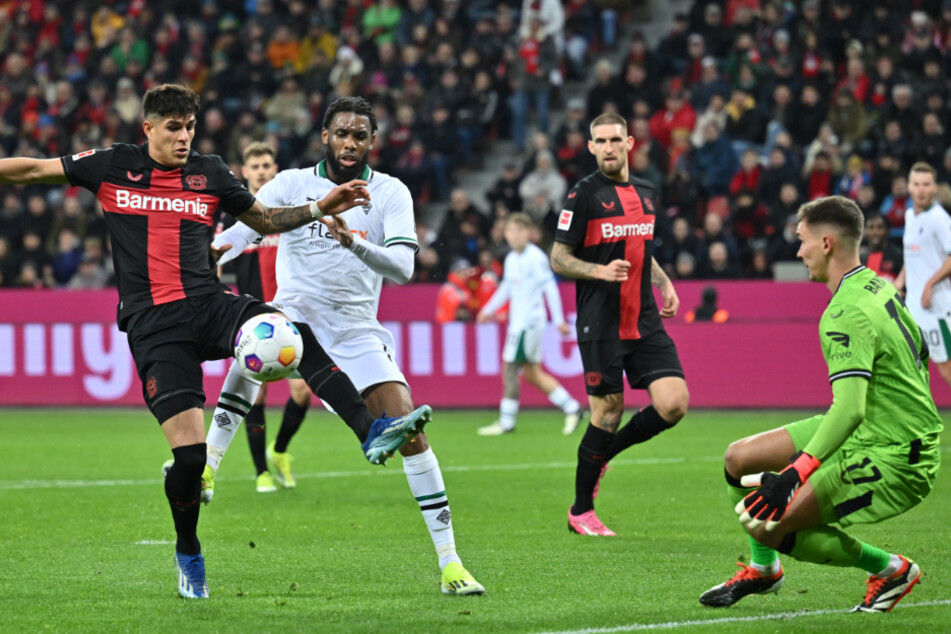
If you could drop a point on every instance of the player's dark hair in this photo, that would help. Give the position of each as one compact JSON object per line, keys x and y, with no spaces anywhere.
{"x":356,"y":105}
{"x":170,"y":100}
{"x":257,"y":148}
{"x":837,"y":211}
{"x":874,"y":215}
{"x":520,"y":218}
{"x":924,"y":168}
{"x":608,"y":118}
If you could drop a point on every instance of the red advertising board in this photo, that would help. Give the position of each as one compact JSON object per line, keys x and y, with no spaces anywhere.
{"x":63,"y":348}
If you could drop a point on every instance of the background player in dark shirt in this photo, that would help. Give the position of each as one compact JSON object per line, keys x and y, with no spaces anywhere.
{"x":604,"y":240}
{"x":159,"y":200}
{"x":879,"y":255}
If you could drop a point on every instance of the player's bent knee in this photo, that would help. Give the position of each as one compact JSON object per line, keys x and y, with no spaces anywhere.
{"x":736,"y":459}
{"x":166,"y":408}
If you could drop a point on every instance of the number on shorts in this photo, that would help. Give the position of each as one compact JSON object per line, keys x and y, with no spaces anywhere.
{"x":875,"y":476}
{"x":892,"y":309}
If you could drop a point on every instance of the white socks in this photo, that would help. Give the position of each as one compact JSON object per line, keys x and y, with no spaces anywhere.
{"x":426,"y":484}
{"x":561,"y":399}
{"x":237,"y":397}
{"x":508,"y":411}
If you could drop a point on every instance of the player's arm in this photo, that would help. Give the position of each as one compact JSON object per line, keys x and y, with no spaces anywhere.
{"x":564,"y":263}
{"x":267,"y":220}
{"x":394,"y":262}
{"x":844,"y":416}
{"x":232,"y":242}
{"x":668,"y":294}
{"x":900,"y":281}
{"x":26,"y":171}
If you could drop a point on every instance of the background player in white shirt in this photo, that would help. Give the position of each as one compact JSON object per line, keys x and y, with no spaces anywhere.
{"x":329,"y":275}
{"x":927,"y":251}
{"x":527,"y":282}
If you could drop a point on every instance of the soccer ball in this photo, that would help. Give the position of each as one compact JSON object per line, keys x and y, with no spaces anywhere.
{"x":268,"y":347}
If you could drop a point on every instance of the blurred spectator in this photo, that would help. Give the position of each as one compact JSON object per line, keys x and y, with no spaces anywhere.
{"x":7,"y":264}
{"x":682,"y":240}
{"x":685,"y":266}
{"x":464,"y":230}
{"x":606,"y":92}
{"x":713,"y":232}
{"x":676,"y":113}
{"x":745,"y":125}
{"x":719,"y":264}
{"x":713,"y":163}
{"x":848,"y":121}
{"x":505,"y":188}
{"x":788,"y":204}
{"x":853,"y":179}
{"x":530,"y":79}
{"x":896,"y":202}
{"x":820,"y":177}
{"x":749,"y":216}
{"x":747,"y":177}
{"x":811,"y":111}
{"x":784,"y":245}
{"x":381,"y":21}
{"x":714,"y":113}
{"x":778,"y":170}
{"x":542,"y":191}
{"x":877,"y":254}
{"x":708,"y":309}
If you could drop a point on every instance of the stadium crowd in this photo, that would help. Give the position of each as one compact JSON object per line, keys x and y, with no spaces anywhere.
{"x":744,"y":110}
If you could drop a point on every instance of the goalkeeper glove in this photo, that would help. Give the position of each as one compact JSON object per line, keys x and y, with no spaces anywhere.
{"x":776,"y":491}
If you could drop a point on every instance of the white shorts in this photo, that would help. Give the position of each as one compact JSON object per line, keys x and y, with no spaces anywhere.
{"x":937,"y":333}
{"x":364,"y":351}
{"x":524,"y":346}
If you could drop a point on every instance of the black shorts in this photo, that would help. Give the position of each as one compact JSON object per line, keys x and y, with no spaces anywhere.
{"x":170,"y":341}
{"x":642,"y":360}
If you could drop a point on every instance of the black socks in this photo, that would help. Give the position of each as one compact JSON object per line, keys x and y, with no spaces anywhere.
{"x":592,"y":454}
{"x":183,"y":490}
{"x":293,"y":417}
{"x":643,"y":426}
{"x":254,"y":425}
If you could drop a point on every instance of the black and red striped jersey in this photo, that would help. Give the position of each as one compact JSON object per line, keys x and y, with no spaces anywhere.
{"x":159,"y":219}
{"x":605,"y":220}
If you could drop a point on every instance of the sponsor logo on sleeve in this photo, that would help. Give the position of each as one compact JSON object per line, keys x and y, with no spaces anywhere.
{"x":564,"y":220}
{"x":76,"y":157}
{"x":839,"y":337}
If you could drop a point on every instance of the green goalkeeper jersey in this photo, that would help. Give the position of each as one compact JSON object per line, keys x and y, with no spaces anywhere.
{"x":866,"y":331}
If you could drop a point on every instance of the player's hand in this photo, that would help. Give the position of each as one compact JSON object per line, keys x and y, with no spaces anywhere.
{"x":564,"y":329}
{"x":926,"y":296}
{"x":616,"y":271}
{"x":483,"y":317}
{"x":344,"y":197}
{"x":338,"y":229}
{"x":218,"y":252}
{"x":671,"y":301}
{"x":775,"y":493}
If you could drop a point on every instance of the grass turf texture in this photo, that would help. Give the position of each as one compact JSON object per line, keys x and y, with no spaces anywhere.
{"x":348,"y":551}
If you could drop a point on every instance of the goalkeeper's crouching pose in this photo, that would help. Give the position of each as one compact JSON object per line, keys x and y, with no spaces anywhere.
{"x":872,"y":456}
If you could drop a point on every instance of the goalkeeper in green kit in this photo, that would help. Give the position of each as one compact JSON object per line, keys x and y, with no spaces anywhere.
{"x":872,"y":456}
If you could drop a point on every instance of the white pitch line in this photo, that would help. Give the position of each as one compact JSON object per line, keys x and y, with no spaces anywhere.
{"x":22,"y":485}
{"x":153,"y":542}
{"x":637,"y":627}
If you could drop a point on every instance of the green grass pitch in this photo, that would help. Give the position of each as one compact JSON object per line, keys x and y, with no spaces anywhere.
{"x":85,"y":536}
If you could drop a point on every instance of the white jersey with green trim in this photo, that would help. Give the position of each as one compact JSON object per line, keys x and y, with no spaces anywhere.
{"x":927,"y":242}
{"x":317,"y":276}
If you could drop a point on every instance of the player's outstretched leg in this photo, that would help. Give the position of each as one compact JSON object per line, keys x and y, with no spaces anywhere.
{"x":254,"y":426}
{"x":183,"y":491}
{"x":426,"y":483}
{"x":884,"y":591}
{"x":592,"y":459}
{"x":191,"y":576}
{"x":388,"y":435}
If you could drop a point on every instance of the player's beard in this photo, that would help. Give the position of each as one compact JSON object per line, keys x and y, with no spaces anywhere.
{"x":612,"y":170}
{"x":342,"y":172}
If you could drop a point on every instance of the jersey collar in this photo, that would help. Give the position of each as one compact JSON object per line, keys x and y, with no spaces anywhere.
{"x":321,"y":170}
{"x":855,"y":271}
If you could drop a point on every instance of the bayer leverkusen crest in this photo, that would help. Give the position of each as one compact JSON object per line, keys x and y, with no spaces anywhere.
{"x":196,"y":182}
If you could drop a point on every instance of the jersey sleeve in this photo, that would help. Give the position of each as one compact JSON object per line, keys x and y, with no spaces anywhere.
{"x":88,"y":169}
{"x":848,"y":342}
{"x":573,"y":218}
{"x":399,"y":224}
{"x":235,"y":197}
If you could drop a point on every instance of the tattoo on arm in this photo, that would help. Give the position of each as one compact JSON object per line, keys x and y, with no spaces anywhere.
{"x":268,"y":220}
{"x":564,"y":263}
{"x":658,"y":277}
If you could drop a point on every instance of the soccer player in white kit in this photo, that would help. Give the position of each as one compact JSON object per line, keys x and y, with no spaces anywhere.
{"x":527,"y":282}
{"x":329,"y":275}
{"x":927,"y":251}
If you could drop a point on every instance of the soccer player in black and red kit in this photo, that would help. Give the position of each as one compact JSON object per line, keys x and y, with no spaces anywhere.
{"x":604,"y":239}
{"x":159,"y":199}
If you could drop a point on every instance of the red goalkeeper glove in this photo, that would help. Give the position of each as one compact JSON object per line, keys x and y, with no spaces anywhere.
{"x":775,"y":493}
